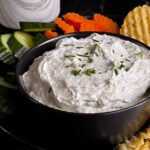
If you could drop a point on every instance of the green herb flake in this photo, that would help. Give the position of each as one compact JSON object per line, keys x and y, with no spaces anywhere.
{"x":90,"y":60}
{"x":68,"y":45}
{"x":121,"y":66}
{"x":67,"y":66}
{"x":128,"y":60}
{"x":94,"y":40}
{"x":69,"y":56}
{"x":82,"y":55}
{"x":93,"y":49}
{"x":140,"y":54}
{"x":80,"y":59}
{"x":86,"y":53}
{"x":116,"y":72}
{"x":75,"y":72}
{"x":79,"y":47}
{"x":89,"y":72}
{"x":127,"y":69}
{"x":83,"y":65}
{"x":96,"y":54}
{"x":113,"y":51}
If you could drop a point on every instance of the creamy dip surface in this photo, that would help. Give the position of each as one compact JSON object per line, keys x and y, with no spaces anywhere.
{"x":99,"y":73}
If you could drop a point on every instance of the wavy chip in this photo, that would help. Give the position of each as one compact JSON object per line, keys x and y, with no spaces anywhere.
{"x":141,"y":141}
{"x":137,"y":24}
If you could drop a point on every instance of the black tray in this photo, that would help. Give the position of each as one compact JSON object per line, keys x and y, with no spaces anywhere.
{"x":16,"y":121}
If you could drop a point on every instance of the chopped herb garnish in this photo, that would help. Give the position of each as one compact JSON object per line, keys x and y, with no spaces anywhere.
{"x":116,"y":72}
{"x":86,"y":53}
{"x":67,"y":66}
{"x":95,"y":40}
{"x":93,"y":49}
{"x":82,"y":55}
{"x":113,"y":51}
{"x":83,"y":65}
{"x":69,"y":56}
{"x":80,"y":59}
{"x":90,"y":60}
{"x":75,"y":72}
{"x":96,"y":54}
{"x":79,"y":47}
{"x":127,"y":69}
{"x":121,"y":66}
{"x":128,"y":60}
{"x":89,"y":72}
{"x":140,"y":54}
{"x":68,"y":45}
{"x":49,"y":90}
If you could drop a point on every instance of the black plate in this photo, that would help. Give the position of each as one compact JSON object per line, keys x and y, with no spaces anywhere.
{"x":18,"y":122}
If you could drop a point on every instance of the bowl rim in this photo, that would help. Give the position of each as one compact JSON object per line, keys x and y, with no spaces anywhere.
{"x":85,"y":34}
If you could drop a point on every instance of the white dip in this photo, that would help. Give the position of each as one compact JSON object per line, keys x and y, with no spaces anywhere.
{"x":96,"y":74}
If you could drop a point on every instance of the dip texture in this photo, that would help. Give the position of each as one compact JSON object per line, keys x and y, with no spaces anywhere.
{"x":99,"y":73}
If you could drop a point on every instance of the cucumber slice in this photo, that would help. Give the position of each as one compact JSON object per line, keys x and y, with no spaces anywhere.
{"x":6,"y":54}
{"x":39,"y":38}
{"x":20,"y":42}
{"x":37,"y":26}
{"x":2,"y":50}
{"x":4,"y":39}
{"x":8,"y":59}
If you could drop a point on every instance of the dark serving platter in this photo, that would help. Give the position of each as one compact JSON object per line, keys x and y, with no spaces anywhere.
{"x":17,"y":121}
{"x":22,"y":123}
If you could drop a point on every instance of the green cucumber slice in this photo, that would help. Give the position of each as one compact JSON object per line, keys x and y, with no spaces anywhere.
{"x":39,"y":38}
{"x":37,"y":26}
{"x":4,"y":39}
{"x":6,"y":54}
{"x":20,"y":42}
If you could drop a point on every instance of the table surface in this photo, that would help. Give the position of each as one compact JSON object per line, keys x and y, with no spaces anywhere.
{"x":111,"y":8}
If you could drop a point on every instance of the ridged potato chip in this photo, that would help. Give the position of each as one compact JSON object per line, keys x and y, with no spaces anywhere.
{"x":137,"y":24}
{"x":141,"y":141}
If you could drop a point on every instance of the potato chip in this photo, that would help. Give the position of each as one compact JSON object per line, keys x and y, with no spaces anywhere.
{"x":141,"y":141}
{"x":137,"y":24}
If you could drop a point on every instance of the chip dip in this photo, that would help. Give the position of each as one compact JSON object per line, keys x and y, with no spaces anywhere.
{"x":99,"y":73}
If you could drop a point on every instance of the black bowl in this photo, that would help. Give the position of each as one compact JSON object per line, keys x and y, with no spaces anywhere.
{"x":103,"y":128}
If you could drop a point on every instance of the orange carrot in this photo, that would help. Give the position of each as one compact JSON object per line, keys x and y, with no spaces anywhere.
{"x":50,"y":34}
{"x":74,"y":19}
{"x":74,"y":22}
{"x":89,"y":25}
{"x":106,"y":24}
{"x":64,"y":26}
